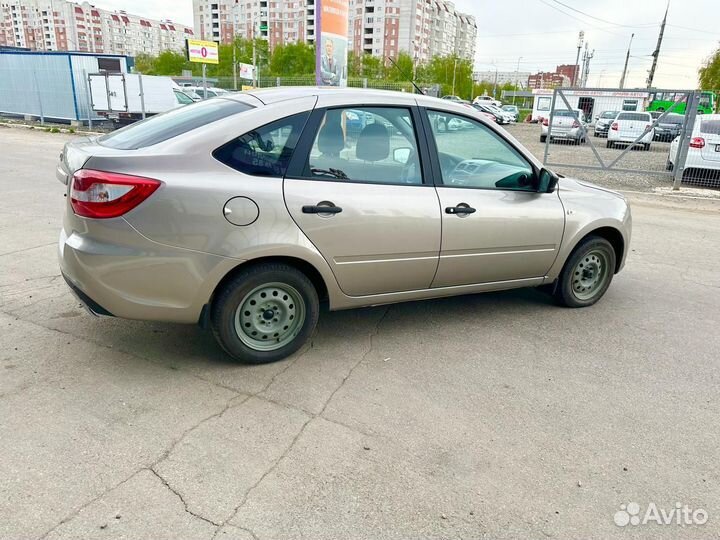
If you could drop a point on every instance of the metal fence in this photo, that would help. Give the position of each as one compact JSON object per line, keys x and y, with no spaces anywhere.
{"x":675,"y":145}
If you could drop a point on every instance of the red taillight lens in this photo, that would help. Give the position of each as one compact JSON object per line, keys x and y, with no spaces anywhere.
{"x":614,"y":126}
{"x":697,"y":142}
{"x":576,"y":124}
{"x":545,"y":122}
{"x":102,"y":195}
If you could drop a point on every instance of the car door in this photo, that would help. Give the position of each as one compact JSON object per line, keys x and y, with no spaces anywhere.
{"x":495,"y":226}
{"x":357,"y":188}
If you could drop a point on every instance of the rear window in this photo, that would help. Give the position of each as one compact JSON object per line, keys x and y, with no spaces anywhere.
{"x":565,"y":112}
{"x":162,"y":127}
{"x":673,"y":119}
{"x":639,"y":117}
{"x":711,"y":127}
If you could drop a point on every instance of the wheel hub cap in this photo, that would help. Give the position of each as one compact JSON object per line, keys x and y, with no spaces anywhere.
{"x":270,"y":316}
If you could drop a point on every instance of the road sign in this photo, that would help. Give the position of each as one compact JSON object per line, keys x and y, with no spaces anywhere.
{"x":246,"y":71}
{"x":205,"y":52}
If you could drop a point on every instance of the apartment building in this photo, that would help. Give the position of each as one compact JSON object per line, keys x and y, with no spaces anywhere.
{"x":60,"y":25}
{"x":502,"y":77}
{"x":421,"y":28}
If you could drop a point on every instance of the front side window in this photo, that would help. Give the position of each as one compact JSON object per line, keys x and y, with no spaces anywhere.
{"x":264,"y":151}
{"x":475,"y":156}
{"x":366,"y":144}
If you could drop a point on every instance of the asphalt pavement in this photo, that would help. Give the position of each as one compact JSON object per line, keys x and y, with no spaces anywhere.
{"x":487,"y":416}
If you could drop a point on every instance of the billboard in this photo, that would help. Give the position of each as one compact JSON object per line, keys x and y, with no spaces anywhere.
{"x":331,"y":25}
{"x":205,"y":52}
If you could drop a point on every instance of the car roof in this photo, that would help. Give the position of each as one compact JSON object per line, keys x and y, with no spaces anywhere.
{"x":283,"y":93}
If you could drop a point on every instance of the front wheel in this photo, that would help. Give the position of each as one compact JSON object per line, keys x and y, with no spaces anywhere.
{"x":587,"y":273}
{"x":543,"y":138}
{"x":265,"y":313}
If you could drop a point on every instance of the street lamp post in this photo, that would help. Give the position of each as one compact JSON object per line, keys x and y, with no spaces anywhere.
{"x":517,"y":71}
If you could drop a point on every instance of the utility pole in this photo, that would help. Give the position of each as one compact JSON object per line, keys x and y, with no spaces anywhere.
{"x":234,"y":66}
{"x":454,"y":69}
{"x":586,"y":71}
{"x":627,"y":58}
{"x":517,"y":70}
{"x":581,"y":37}
{"x":656,"y":52}
{"x":255,"y":70}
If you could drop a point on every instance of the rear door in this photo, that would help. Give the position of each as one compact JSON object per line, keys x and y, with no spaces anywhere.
{"x":363,"y":199}
{"x":710,"y":132}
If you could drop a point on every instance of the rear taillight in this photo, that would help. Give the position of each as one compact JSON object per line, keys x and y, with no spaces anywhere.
{"x":101,"y":195}
{"x":545,"y":122}
{"x":614,"y":126}
{"x":697,"y":142}
{"x":576,"y":124}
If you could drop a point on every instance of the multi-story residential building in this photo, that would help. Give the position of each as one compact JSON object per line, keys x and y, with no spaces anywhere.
{"x":60,"y":25}
{"x":502,"y":77}
{"x":548,"y":79}
{"x":421,"y":28}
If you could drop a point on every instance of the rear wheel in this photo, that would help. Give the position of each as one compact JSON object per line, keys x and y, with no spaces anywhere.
{"x":609,"y":144}
{"x":646,"y":147}
{"x":669,"y":165}
{"x":265,"y":313}
{"x":543,"y":138}
{"x":587,"y":273}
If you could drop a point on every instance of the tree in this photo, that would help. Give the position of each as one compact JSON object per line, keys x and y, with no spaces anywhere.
{"x":446,"y":69}
{"x":170,"y":63}
{"x":292,"y":59}
{"x":145,"y":63}
{"x":710,"y":73}
{"x":402,"y":70}
{"x":364,"y":65}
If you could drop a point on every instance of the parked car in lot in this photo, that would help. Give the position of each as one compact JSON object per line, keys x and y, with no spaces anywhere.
{"x":500,"y":117}
{"x":568,"y":125}
{"x":602,"y":123}
{"x":243,"y":212}
{"x":210,"y":90}
{"x":487,"y":100}
{"x":703,"y":158}
{"x":629,"y":126}
{"x":513,"y":110}
{"x":668,"y":127}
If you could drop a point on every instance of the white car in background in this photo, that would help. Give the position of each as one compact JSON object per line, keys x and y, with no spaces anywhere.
{"x":487,"y":100}
{"x":629,"y":127}
{"x":703,"y":158}
{"x":212,"y":91}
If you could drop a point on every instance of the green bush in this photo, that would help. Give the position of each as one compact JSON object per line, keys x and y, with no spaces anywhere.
{"x":71,"y":130}
{"x":54,"y":130}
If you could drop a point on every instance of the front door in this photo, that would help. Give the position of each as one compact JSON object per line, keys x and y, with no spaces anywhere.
{"x":495,"y":226}
{"x":358,"y":193}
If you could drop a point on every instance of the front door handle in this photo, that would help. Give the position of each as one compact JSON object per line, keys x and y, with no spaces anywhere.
{"x":321,"y":209}
{"x":461,"y":209}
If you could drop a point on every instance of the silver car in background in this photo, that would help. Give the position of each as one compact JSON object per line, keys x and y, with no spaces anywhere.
{"x":568,"y":125}
{"x":243,"y":213}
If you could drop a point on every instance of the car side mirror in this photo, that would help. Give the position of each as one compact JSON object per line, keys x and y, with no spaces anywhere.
{"x":401,"y":155}
{"x":547,"y":181}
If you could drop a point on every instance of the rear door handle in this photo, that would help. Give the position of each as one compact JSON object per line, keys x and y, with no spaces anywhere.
{"x":461,"y":209}
{"x":318,"y":209}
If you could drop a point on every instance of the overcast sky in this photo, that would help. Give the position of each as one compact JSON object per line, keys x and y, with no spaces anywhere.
{"x":539,"y":34}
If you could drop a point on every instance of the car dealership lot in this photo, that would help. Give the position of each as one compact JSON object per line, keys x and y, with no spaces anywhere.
{"x":496,"y":415}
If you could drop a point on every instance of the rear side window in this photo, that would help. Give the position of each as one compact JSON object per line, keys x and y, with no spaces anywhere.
{"x":265,"y":151}
{"x":162,"y":127}
{"x":711,"y":127}
{"x":638,"y":117}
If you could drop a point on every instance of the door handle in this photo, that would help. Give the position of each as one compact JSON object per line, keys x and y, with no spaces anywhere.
{"x":318,"y":209}
{"x":461,"y":209}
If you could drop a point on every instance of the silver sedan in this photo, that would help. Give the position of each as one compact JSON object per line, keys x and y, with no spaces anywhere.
{"x":243,"y":213}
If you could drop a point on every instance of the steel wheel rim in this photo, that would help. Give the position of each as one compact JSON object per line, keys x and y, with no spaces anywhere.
{"x":590,"y":274}
{"x":270,"y":316}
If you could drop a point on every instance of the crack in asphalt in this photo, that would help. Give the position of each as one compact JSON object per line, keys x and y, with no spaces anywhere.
{"x":27,"y":249}
{"x":182,"y":500}
{"x":279,"y":460}
{"x":228,"y":405}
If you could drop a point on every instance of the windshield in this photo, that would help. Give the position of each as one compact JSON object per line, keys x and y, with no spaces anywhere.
{"x":673,"y":119}
{"x":164,"y":126}
{"x":608,"y":114}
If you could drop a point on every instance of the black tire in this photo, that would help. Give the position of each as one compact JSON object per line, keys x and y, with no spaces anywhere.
{"x":227,"y":302}
{"x":647,"y":147}
{"x":543,"y":138}
{"x":669,"y":165}
{"x":565,"y":294}
{"x":609,"y":144}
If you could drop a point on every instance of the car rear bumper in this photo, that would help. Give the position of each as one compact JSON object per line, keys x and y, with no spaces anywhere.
{"x":135,"y":278}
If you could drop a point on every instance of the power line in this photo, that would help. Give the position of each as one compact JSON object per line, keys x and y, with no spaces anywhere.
{"x":602,"y":20}
{"x":577,"y":18}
